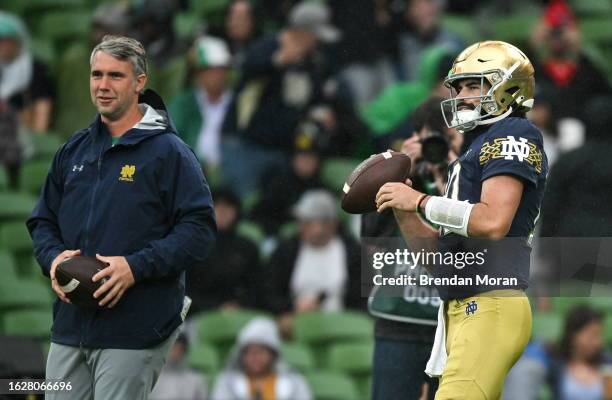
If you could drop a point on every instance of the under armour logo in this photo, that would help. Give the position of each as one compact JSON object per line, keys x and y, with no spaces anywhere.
{"x":77,"y":168}
{"x":511,"y":148}
{"x":471,"y":308}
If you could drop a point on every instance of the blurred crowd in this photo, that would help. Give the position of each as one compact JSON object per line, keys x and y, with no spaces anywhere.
{"x":280,"y":100}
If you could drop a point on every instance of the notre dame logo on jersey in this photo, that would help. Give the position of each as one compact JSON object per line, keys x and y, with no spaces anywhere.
{"x":509,"y":148}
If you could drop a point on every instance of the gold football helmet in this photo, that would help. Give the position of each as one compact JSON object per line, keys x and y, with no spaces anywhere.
{"x":506,"y":69}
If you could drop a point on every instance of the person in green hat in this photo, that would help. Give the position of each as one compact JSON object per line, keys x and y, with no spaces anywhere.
{"x":199,"y":111}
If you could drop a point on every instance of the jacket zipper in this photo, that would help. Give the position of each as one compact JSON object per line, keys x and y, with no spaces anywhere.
{"x":88,"y":224}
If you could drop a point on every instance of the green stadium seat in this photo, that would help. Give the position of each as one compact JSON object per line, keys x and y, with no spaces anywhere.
{"x":203,"y":358}
{"x":43,"y":50}
{"x":592,"y":7}
{"x":298,"y":356}
{"x":515,"y":29}
{"x":597,"y":30}
{"x":287,"y":230}
{"x":220,"y":328}
{"x":320,"y":330}
{"x":42,"y":146}
{"x":335,"y":171}
{"x":252,"y":231}
{"x":16,"y":206}
{"x":329,"y":385}
{"x":32,"y":175}
{"x":64,"y":27}
{"x":45,"y":5}
{"x":186,"y":24}
{"x":318,"y":327}
{"x":3,"y":179}
{"x":211,"y":10}
{"x":25,"y":294}
{"x":608,"y":330}
{"x":169,"y":80}
{"x":31,"y":323}
{"x":547,"y":327}
{"x":462,"y":26}
{"x":8,"y":266}
{"x":14,"y":237}
{"x":354,"y":359}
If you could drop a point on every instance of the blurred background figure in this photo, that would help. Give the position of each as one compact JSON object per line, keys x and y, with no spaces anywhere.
{"x":563,"y":70}
{"x":575,"y":372}
{"x":282,"y":76}
{"x":177,"y":381}
{"x":418,"y":28}
{"x":285,"y":187}
{"x":25,"y":82}
{"x":26,"y":94}
{"x":242,"y":27}
{"x":199,"y":111}
{"x":255,"y":369}
{"x":74,"y":106}
{"x":231,"y":276}
{"x":152,"y":24}
{"x":319,"y":267}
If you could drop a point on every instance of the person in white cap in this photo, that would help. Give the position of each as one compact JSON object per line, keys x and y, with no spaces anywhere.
{"x":199,"y":112}
{"x":255,"y":369}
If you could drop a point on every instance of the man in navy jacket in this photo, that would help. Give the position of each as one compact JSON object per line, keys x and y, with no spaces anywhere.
{"x":128,"y":191}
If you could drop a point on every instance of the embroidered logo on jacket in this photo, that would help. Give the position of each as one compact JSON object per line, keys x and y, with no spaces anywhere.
{"x":509,"y":148}
{"x":127,"y":173}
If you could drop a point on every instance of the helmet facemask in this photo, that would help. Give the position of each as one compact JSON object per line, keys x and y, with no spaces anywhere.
{"x":488,"y":110}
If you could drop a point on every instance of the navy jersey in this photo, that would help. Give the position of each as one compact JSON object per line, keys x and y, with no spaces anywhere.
{"x":512,"y":146}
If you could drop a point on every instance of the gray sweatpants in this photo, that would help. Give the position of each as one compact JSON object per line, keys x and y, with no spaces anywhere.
{"x":106,"y":374}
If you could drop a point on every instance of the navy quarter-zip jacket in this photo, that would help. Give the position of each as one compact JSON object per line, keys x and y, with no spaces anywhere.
{"x":146,"y":199}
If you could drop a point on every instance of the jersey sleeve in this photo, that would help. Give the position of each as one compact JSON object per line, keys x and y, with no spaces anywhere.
{"x":513,"y":148}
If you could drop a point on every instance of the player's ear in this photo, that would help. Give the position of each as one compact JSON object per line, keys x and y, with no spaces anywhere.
{"x":141,"y":81}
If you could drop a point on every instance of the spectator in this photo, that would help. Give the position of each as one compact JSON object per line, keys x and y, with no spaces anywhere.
{"x":242,"y":28}
{"x":420,"y":29}
{"x":581,"y":180}
{"x":200,"y":110}
{"x":560,"y":64}
{"x":388,"y":116}
{"x":255,"y":369}
{"x":74,"y":106}
{"x":282,"y":77}
{"x":542,"y":116}
{"x":229,"y":277}
{"x":576,"y":374}
{"x":152,"y":22}
{"x":177,"y":381}
{"x":319,"y":269}
{"x":285,"y":187}
{"x":25,"y":85}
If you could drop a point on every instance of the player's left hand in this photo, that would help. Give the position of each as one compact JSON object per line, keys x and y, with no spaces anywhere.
{"x":396,"y":195}
{"x":119,"y":279}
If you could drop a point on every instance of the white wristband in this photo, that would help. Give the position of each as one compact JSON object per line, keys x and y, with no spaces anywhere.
{"x":453,"y":215}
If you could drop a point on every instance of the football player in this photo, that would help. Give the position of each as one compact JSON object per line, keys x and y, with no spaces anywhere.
{"x":493,"y":195}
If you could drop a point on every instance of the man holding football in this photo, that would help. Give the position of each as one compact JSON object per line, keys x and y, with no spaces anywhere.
{"x":128,"y":191}
{"x":493,"y":196}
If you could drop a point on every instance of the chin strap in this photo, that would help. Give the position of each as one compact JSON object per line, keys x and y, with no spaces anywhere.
{"x":494,"y":119}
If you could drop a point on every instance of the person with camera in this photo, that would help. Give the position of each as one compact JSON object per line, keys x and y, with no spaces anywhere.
{"x":406,"y":321}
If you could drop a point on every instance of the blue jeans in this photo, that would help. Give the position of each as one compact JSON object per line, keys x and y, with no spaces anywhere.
{"x":399,"y":370}
{"x":244,"y":164}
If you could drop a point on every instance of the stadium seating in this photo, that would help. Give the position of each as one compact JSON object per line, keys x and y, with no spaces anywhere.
{"x":220,"y":328}
{"x":461,"y":26}
{"x":355,"y":360}
{"x":42,"y":146}
{"x":25,"y":294}
{"x":252,"y":231}
{"x":32,"y":176}
{"x":319,"y":330}
{"x":592,"y":7}
{"x":547,"y":327}
{"x":15,"y":206}
{"x":3,"y":179}
{"x":298,"y":356}
{"x":64,"y":27}
{"x":203,"y":358}
{"x":30,"y":323}
{"x":8,"y":267}
{"x":515,"y":29}
{"x":329,"y":385}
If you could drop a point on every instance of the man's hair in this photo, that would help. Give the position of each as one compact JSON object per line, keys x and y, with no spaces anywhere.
{"x":125,"y":49}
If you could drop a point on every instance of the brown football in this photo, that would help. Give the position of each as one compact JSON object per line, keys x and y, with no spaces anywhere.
{"x":74,"y":277}
{"x":362,"y":185}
